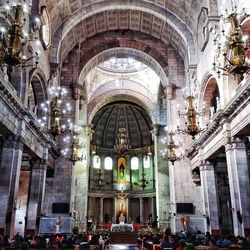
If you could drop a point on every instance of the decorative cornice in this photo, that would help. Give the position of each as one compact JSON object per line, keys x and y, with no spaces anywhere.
{"x":225,"y":115}
{"x":8,"y":95}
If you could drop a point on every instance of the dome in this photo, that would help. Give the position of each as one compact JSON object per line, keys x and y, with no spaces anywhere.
{"x":109,"y":119}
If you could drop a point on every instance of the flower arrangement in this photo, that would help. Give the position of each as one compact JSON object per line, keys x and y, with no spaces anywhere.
{"x":122,"y":229}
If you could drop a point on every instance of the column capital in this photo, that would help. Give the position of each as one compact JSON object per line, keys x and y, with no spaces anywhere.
{"x":234,"y":143}
{"x":13,"y":141}
{"x":206,"y":165}
{"x":37,"y":163}
{"x":156,"y":129}
{"x":169,"y":90}
{"x":76,"y":90}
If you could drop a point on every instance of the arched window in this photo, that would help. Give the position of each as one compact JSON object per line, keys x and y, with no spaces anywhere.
{"x":108,"y":163}
{"x":96,"y":161}
{"x":134,"y":163}
{"x":146,"y":161}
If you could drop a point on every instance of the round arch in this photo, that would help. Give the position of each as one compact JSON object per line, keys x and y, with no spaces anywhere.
{"x":159,"y":69}
{"x":38,"y":84}
{"x":210,"y":92}
{"x":116,"y":95}
{"x":80,"y":27}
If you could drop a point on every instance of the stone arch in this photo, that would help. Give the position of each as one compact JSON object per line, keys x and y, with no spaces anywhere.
{"x":245,"y":27}
{"x":38,"y":84}
{"x":160,"y":67}
{"x":165,"y":26}
{"x":211,"y":95}
{"x":105,"y":97}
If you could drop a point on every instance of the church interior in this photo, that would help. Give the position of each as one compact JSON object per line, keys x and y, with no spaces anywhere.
{"x":122,"y":115}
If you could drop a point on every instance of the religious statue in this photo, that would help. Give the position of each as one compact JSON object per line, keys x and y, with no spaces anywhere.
{"x":185,"y":222}
{"x":121,"y":219}
{"x":58,"y":225}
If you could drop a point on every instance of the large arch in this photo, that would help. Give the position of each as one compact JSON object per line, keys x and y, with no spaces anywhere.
{"x":101,"y":99}
{"x":160,"y":24}
{"x":160,"y":68}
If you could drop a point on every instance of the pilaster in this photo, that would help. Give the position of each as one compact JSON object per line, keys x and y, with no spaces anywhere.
{"x":10,"y":173}
{"x":36,"y":195}
{"x":236,"y":156}
{"x":209,"y":195}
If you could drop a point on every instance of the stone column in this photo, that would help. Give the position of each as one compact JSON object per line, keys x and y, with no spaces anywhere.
{"x":153,"y":208}
{"x":238,"y":174}
{"x":10,"y":173}
{"x":36,"y":195}
{"x":161,"y":178}
{"x":101,"y":211}
{"x":141,"y":211}
{"x":127,"y":219}
{"x":209,"y":195}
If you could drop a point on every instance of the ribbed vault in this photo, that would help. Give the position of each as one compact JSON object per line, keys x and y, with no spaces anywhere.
{"x":109,"y":119}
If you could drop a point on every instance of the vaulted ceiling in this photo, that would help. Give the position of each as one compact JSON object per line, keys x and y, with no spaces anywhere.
{"x":171,"y":21}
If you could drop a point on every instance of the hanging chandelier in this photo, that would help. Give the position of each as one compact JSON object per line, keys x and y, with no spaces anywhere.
{"x":233,"y":47}
{"x":122,"y":141}
{"x":13,"y":39}
{"x":73,"y":145}
{"x":54,"y":110}
{"x":169,"y":153}
{"x":191,"y":115}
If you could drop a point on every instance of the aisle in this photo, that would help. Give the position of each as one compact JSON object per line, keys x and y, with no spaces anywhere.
{"x":121,"y":247}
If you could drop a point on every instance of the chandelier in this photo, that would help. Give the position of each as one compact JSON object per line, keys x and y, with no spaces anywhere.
{"x":233,"y":47}
{"x":54,"y":110}
{"x":72,"y":142}
{"x":13,"y":39}
{"x":122,"y":141}
{"x":191,"y":115}
{"x":170,"y":154}
{"x":143,"y":183}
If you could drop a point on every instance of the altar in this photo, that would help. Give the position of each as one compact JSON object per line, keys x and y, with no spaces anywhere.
{"x":122,"y":227}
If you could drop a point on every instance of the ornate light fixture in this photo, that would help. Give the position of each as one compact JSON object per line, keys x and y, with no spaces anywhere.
{"x":14,"y":39}
{"x":71,"y":151}
{"x":55,"y":109}
{"x":143,"y":183}
{"x":232,"y":47}
{"x":191,"y":115}
{"x":169,"y":154}
{"x":122,"y":141}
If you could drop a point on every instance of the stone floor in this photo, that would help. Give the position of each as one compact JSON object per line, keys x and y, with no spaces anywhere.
{"x":122,"y":247}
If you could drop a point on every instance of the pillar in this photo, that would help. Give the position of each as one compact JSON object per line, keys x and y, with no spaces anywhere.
{"x":236,"y":156}
{"x":141,"y":211}
{"x":209,"y":195}
{"x":36,"y":195}
{"x":10,"y":173}
{"x":153,"y":208}
{"x":161,"y":178}
{"x":101,"y":210}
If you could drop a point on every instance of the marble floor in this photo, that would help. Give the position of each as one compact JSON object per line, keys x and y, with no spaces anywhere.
{"x":122,"y":247}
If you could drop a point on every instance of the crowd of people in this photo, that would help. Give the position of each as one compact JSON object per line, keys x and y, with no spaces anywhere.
{"x":99,"y":238}
{"x":185,"y":241}
{"x":58,"y":241}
